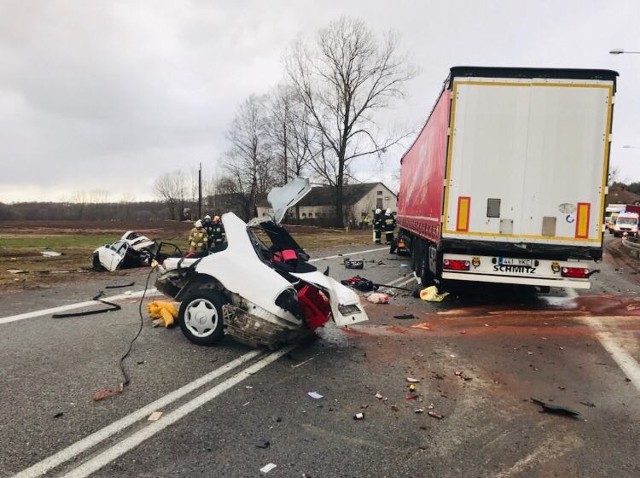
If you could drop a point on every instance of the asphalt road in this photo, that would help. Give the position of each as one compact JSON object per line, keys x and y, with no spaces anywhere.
{"x":480,"y":356}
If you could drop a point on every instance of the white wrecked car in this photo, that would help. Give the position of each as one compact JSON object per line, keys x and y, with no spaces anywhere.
{"x":132,"y":250}
{"x":260,"y":289}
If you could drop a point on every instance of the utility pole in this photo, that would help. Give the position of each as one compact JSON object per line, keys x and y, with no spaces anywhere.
{"x":200,"y":192}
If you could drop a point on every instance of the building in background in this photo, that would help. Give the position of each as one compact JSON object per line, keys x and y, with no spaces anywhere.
{"x":318,"y":207}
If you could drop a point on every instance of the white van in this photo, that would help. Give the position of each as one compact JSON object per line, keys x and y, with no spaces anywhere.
{"x":611,"y":214}
{"x":626,"y":222}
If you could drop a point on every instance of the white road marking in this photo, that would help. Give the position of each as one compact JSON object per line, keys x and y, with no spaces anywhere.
{"x":78,"y":305}
{"x":127,"y":444}
{"x":92,"y":440}
{"x":552,"y":448}
{"x":351,"y":253}
{"x":626,"y":362}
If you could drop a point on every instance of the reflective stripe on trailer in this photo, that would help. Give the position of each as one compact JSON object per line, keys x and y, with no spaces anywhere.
{"x":561,"y":282}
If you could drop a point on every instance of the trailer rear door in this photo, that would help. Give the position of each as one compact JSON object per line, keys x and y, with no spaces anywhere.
{"x":528,"y":159}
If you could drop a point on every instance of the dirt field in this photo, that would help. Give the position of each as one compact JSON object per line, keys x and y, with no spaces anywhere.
{"x":22,"y":265}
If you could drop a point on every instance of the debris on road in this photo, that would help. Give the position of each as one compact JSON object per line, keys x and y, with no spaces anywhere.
{"x":315,"y":395}
{"x":353,"y":264}
{"x":430,"y":294}
{"x":154,"y":417}
{"x":412,"y":380}
{"x":419,"y":410}
{"x":434,"y":414}
{"x":16,"y":271}
{"x":404,"y":317}
{"x":58,"y":415}
{"x":359,"y":283}
{"x":108,"y":392}
{"x":413,"y":394}
{"x":358,"y":416}
{"x":555,"y":409}
{"x":111,"y":307}
{"x":165,"y":312}
{"x":378,"y":298}
{"x":267,"y":468}
{"x":263,"y":444}
{"x":588,"y":404}
{"x":379,"y":396}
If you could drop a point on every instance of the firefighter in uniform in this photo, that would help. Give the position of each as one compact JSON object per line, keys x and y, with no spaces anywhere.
{"x":377,"y":226}
{"x":197,"y":240}
{"x":389,"y":227}
{"x":218,"y":236}
{"x":208,"y":226}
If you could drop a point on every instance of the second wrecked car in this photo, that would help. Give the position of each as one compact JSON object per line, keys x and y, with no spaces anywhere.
{"x":261,"y":289}
{"x":131,"y":250}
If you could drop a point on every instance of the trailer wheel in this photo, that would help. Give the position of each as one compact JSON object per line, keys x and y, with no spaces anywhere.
{"x":426,"y":277}
{"x":201,"y":316}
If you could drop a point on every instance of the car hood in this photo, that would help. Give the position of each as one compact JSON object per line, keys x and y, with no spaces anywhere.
{"x":282,"y":198}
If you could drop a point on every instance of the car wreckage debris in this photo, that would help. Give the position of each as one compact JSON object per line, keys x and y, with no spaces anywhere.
{"x":378,"y":298}
{"x":111,"y":307}
{"x":365,"y":285}
{"x":555,"y":409}
{"x":353,"y":264}
{"x":267,"y":468}
{"x":165,"y":312}
{"x":433,"y":414}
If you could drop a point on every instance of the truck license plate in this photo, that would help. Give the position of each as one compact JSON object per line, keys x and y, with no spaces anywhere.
{"x":510,"y":261}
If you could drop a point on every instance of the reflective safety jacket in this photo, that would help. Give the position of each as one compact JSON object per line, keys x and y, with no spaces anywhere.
{"x":197,"y":240}
{"x":378,"y":223}
{"x":389,"y":222}
{"x":217,"y":234}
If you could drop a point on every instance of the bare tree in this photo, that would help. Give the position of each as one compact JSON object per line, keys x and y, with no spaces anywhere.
{"x":289,"y":133}
{"x":343,"y":79}
{"x":172,"y":189}
{"x":247,"y":164}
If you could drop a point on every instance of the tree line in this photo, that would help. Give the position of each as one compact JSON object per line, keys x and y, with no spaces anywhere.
{"x":316,"y":122}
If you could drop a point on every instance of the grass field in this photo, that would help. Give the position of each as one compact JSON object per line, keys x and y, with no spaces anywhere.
{"x":22,"y":244}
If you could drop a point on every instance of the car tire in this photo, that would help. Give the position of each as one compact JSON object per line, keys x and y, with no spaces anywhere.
{"x":201,"y":316}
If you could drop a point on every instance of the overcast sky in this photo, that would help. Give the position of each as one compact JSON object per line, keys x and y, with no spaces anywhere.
{"x":109,"y":95}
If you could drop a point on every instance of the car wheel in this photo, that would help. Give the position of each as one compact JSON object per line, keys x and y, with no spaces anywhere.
{"x":201,"y":315}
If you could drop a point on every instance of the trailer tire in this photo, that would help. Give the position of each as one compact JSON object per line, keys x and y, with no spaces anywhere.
{"x":426,"y":277}
{"x":201,"y":316}
{"x":420,"y":261}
